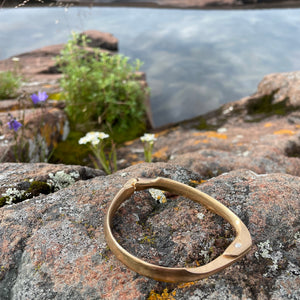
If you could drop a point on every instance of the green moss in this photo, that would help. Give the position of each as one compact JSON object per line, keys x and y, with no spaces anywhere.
{"x":135,"y":129}
{"x":39,"y":187}
{"x":264,"y":107}
{"x":69,"y":152}
{"x":3,"y":201}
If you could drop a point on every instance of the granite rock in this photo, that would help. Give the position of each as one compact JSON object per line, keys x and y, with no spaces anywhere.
{"x":103,"y":40}
{"x":53,"y":247}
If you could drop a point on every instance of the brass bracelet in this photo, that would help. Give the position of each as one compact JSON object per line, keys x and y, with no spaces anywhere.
{"x":236,"y":250}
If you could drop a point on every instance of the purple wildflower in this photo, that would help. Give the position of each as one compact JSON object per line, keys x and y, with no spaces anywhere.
{"x":14,"y":124}
{"x":40,"y":97}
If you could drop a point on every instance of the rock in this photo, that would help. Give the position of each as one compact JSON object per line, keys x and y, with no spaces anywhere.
{"x":42,"y":130}
{"x":98,"y":39}
{"x":277,"y":94}
{"x":53,"y":247}
{"x":12,"y":175}
{"x":268,"y":146}
{"x":195,"y":3}
{"x":173,"y":3}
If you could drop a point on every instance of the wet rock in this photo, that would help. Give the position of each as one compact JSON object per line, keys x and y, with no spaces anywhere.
{"x":53,"y":247}
{"x":98,"y":39}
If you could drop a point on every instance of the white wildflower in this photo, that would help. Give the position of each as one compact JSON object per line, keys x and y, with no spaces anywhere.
{"x":93,"y":137}
{"x":148,"y":137}
{"x":16,"y":59}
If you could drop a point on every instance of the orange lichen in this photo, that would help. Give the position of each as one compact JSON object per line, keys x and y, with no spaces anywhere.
{"x":46,"y":132}
{"x":128,"y":143}
{"x":267,"y":125}
{"x":297,"y":126}
{"x":161,"y":152}
{"x":197,"y":182}
{"x":163,"y":132}
{"x":137,"y":162}
{"x":164,"y":296}
{"x":184,"y":285}
{"x":47,"y":86}
{"x":211,"y":134}
{"x":132,"y":156}
{"x":205,"y":141}
{"x":285,"y":131}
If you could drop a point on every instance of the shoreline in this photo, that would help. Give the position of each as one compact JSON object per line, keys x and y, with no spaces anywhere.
{"x":157,"y":5}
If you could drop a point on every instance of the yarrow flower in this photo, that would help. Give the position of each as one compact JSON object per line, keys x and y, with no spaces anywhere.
{"x":40,"y":97}
{"x":148,"y":137}
{"x":93,"y":137}
{"x":14,"y":124}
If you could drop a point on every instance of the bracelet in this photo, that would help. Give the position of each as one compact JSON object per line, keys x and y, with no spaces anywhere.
{"x":236,"y":250}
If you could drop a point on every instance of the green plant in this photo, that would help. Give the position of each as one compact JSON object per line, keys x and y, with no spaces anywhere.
{"x":101,"y":90}
{"x":9,"y":84}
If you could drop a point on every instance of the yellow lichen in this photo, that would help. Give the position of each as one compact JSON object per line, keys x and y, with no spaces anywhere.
{"x":285,"y":131}
{"x":211,"y":134}
{"x":184,"y":285}
{"x":128,"y":143}
{"x":267,"y":125}
{"x":164,"y":296}
{"x":161,"y":152}
{"x":163,"y":132}
{"x":204,"y":141}
{"x":132,"y":156}
{"x":197,"y":182}
{"x":137,"y":162}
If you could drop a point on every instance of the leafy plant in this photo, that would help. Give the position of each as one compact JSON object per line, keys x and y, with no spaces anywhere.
{"x":9,"y":84}
{"x":101,"y":90}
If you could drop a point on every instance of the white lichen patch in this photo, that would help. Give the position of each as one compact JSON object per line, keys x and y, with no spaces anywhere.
{"x":200,"y":216}
{"x":266,"y":251}
{"x":61,"y":180}
{"x":158,"y":195}
{"x":13,"y":194}
{"x":297,"y":237}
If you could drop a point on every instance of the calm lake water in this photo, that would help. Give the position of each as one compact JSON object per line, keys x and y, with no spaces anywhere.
{"x":195,"y":60}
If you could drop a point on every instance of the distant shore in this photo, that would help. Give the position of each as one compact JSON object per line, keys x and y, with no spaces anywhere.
{"x":187,"y":4}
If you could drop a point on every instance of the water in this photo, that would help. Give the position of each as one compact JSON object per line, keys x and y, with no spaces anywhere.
{"x":195,"y":60}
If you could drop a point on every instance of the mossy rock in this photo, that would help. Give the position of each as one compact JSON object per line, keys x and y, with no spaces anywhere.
{"x":134,"y":130}
{"x":69,"y":152}
{"x":3,"y":201}
{"x":39,"y":187}
{"x":264,"y":107}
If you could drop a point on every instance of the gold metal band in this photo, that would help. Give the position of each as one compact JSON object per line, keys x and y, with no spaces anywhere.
{"x":236,"y":250}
